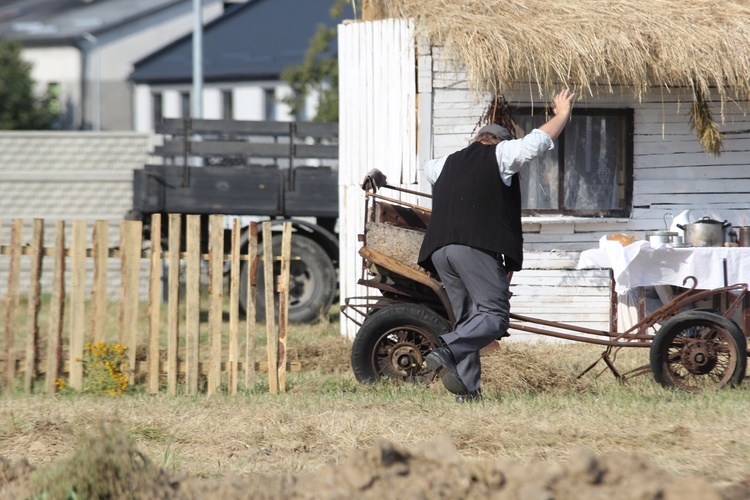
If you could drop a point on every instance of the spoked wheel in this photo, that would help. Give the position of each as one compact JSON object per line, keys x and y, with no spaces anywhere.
{"x":698,"y":350}
{"x":394,"y":341}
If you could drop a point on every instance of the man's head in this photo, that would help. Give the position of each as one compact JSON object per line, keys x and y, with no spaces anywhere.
{"x":492,"y":134}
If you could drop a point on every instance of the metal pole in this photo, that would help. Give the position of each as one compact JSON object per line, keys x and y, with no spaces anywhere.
{"x":197,"y":111}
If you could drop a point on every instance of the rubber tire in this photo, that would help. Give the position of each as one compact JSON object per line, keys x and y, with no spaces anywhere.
{"x":671,"y":329}
{"x":313,"y":269}
{"x":404,"y":317}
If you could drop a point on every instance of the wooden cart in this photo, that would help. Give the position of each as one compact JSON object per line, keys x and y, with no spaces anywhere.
{"x":690,"y":348}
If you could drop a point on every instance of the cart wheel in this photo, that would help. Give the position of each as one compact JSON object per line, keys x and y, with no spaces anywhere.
{"x":393,"y":342}
{"x":699,"y":350}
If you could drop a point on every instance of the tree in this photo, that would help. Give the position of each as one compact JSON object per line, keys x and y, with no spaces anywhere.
{"x":19,"y":108}
{"x":319,"y":72}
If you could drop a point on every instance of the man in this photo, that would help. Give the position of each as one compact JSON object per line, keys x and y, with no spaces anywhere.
{"x":474,"y":240}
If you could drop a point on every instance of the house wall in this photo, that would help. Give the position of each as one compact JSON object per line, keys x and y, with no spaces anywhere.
{"x":249,"y":101}
{"x":61,"y":66}
{"x":671,"y":173}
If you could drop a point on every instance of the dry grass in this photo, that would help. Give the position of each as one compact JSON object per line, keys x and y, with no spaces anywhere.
{"x":535,"y":409}
{"x":640,"y":43}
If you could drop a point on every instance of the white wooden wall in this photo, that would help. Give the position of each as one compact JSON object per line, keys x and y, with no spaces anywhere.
{"x":377,"y":128}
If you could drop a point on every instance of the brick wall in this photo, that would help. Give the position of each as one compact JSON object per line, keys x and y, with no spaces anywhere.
{"x":67,"y":175}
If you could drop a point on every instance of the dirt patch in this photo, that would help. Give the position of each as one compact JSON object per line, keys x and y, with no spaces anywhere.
{"x":109,"y":466}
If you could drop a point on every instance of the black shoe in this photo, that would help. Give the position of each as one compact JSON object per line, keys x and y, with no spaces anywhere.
{"x":441,"y":360}
{"x":470,"y":397}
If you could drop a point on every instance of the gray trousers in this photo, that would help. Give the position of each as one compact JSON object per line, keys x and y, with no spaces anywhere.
{"x":478,"y":288}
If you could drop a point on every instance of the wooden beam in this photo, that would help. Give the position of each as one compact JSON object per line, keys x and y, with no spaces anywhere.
{"x":173,"y":302}
{"x":272,"y":335}
{"x":192,"y":302}
{"x":54,"y":335}
{"x":215,"y":299}
{"x":154,"y":305}
{"x":35,"y":288}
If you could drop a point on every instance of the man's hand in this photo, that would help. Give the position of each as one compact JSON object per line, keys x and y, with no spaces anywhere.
{"x":375,"y":179}
{"x":564,"y":102}
{"x":563,"y":105}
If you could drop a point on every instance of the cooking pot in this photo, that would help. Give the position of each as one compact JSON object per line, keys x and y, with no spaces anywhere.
{"x":659,"y":237}
{"x":705,"y":232}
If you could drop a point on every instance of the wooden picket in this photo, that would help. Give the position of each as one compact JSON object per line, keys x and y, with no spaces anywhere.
{"x":23,"y":356}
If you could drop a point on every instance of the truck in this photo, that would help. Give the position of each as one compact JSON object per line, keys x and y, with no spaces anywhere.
{"x":257,"y":171}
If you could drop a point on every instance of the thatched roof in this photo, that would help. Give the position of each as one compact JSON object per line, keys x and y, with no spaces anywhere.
{"x":593,"y":45}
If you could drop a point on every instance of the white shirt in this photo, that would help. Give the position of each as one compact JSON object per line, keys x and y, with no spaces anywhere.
{"x":511,"y":155}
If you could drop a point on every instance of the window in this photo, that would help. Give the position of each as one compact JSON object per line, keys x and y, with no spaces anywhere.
{"x":269,"y":101}
{"x":157,"y":107}
{"x":227,"y":104}
{"x":53,"y":94}
{"x":590,"y":171}
{"x":301,"y":114}
{"x":185,"y":104}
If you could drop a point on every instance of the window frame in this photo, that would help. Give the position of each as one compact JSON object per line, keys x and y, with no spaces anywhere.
{"x":629,"y":115}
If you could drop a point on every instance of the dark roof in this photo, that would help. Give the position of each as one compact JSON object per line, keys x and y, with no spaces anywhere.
{"x":58,"y":22}
{"x":250,"y":41}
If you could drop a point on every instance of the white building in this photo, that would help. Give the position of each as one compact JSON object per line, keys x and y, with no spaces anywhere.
{"x":244,"y":52}
{"x":83,"y":51}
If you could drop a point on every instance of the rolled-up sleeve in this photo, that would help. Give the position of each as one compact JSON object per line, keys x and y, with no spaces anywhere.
{"x":513,"y":155}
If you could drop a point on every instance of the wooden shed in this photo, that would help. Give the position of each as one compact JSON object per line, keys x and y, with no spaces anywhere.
{"x":660,"y":124}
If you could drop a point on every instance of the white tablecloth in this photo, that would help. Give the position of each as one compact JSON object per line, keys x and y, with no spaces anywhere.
{"x":641,"y":264}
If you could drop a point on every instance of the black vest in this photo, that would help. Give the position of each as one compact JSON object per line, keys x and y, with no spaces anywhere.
{"x":472,"y":206}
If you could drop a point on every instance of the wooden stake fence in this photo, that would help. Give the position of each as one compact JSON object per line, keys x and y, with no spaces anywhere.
{"x":195,"y":359}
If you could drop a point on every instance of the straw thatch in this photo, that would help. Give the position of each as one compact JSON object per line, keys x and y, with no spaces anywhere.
{"x":593,"y":45}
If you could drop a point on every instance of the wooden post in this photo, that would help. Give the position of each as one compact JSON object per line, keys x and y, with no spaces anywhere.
{"x":192,"y":302}
{"x":77,"y":303}
{"x":130,"y":248}
{"x":215,"y":298}
{"x":286,"y":249}
{"x":99,"y":288}
{"x":11,"y":303}
{"x":54,"y":344}
{"x":173,"y":299}
{"x":35,"y":288}
{"x":154,"y":305}
{"x":234,"y":305}
{"x":252,"y":294}
{"x":272,"y":335}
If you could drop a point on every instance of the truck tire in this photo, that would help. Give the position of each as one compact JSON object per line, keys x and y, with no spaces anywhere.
{"x":393,"y":342}
{"x":312,"y":283}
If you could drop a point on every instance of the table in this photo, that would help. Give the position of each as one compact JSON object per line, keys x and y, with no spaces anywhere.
{"x":643,"y":264}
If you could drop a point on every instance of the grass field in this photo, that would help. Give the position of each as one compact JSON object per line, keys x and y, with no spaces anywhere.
{"x":535,"y":409}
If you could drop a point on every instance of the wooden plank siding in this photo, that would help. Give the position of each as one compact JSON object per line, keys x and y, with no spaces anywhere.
{"x":671,"y":173}
{"x":378,"y":129}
